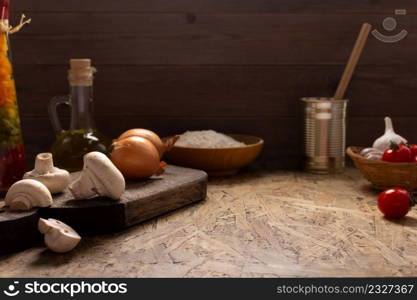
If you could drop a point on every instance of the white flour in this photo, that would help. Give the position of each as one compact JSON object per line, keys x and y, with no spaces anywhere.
{"x":207,"y":139}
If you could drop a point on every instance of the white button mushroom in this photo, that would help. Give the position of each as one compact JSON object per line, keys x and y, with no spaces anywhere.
{"x":55,"y":179}
{"x":58,"y":236}
{"x":98,"y":177}
{"x":26,"y":194}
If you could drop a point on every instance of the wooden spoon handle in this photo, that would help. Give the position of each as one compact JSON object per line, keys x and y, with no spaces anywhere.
{"x":353,"y":61}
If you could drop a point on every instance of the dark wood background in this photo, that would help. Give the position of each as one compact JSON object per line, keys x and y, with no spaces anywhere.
{"x":237,"y":66}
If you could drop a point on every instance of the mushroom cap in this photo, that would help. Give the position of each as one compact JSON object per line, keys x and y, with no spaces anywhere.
{"x":107,"y":179}
{"x":56,"y":182}
{"x":59,"y":237}
{"x":26,"y":194}
{"x":55,"y":179}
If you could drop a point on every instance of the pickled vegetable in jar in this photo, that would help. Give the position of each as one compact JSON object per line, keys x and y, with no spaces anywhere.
{"x":12,"y":156}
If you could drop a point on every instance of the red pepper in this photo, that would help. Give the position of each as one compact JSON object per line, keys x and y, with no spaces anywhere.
{"x":397,"y":153}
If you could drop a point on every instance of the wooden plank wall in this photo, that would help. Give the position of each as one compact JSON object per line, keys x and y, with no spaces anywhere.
{"x":231,"y":65}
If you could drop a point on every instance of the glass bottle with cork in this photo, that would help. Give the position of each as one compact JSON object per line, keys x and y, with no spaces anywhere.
{"x":82,"y":137}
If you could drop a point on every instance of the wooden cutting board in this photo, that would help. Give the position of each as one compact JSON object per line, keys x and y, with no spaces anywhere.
{"x":141,"y":201}
{"x":18,"y":230}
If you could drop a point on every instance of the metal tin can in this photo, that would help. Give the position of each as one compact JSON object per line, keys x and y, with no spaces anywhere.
{"x":325,"y":134}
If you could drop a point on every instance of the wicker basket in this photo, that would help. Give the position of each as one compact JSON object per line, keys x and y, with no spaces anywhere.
{"x":383,"y":174}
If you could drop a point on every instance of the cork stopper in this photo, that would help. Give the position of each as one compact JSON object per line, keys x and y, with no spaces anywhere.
{"x":81,"y":72}
{"x":80,"y":63}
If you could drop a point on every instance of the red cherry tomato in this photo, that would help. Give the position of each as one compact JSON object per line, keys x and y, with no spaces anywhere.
{"x":389,"y":155}
{"x":397,"y":153}
{"x":413,"y":149}
{"x":394,"y":203}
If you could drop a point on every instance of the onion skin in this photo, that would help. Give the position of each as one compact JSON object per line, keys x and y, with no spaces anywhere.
{"x":136,"y":157}
{"x":147,"y":134}
{"x":161,"y":146}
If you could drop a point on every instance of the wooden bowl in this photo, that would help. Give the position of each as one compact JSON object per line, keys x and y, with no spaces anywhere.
{"x":217,"y":161}
{"x":384,"y":174}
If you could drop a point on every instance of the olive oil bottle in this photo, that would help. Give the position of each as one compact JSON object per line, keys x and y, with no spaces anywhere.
{"x":82,"y":136}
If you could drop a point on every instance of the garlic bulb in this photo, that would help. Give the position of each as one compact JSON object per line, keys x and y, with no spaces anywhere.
{"x":383,"y":142}
{"x":373,"y":156}
{"x":372,"y":153}
{"x":366,"y":151}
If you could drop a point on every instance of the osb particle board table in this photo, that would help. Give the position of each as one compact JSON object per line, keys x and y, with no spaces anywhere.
{"x":259,"y":224}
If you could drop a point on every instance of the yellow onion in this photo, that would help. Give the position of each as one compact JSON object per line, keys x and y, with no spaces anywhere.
{"x":146,"y":134}
{"x":152,"y":137}
{"x":135,"y":157}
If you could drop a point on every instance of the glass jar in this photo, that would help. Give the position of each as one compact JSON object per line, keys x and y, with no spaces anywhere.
{"x":12,"y":156}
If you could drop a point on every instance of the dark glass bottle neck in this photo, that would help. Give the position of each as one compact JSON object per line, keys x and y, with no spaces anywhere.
{"x":82,"y":108}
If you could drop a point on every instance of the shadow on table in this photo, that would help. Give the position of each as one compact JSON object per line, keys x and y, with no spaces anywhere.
{"x":47,"y":257}
{"x":406,"y":221}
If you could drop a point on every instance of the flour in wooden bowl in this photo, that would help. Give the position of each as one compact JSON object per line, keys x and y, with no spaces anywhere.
{"x":207,"y":139}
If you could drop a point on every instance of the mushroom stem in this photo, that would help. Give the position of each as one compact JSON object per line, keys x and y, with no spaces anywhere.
{"x":44,"y":163}
{"x":55,"y":179}
{"x":99,"y":177}
{"x":83,"y":187}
